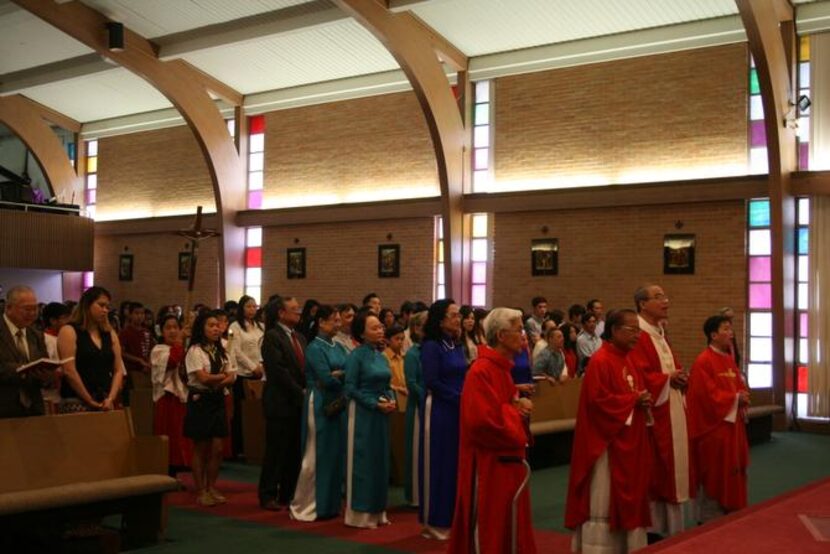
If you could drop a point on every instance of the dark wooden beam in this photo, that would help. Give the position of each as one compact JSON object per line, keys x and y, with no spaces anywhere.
{"x":26,"y":120}
{"x":413,"y":45}
{"x":187,"y":90}
{"x":770,"y":30}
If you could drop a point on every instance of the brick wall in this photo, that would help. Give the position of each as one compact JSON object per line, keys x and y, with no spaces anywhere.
{"x":341,"y":261}
{"x":155,"y":269}
{"x":351,"y":151}
{"x":624,"y":120}
{"x":153,"y":173}
{"x":608,"y":253}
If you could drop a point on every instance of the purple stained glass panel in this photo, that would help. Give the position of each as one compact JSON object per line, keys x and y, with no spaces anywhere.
{"x":255,"y":200}
{"x":803,"y":325}
{"x":757,"y":133}
{"x":759,"y":269}
{"x":804,"y":155}
{"x":760,"y":296}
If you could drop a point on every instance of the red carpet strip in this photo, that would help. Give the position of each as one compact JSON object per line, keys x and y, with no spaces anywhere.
{"x":793,"y":522}
{"x":403,"y":535}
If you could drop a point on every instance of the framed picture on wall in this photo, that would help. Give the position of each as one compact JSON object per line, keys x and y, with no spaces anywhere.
{"x":295,"y":263}
{"x":679,"y":254}
{"x":184,"y":266}
{"x":544,"y":257}
{"x":389,"y":260}
{"x":125,"y":267}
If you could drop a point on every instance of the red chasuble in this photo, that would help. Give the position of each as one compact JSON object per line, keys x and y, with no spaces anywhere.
{"x":719,"y":447}
{"x":605,"y":403}
{"x":491,"y":427}
{"x":663,"y":484}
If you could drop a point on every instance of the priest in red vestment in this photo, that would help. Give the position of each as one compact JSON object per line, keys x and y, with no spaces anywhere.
{"x":608,"y":500}
{"x":493,"y":443}
{"x":666,"y":381}
{"x":717,"y":400}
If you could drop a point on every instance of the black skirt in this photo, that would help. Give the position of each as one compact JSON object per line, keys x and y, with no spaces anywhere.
{"x":205,"y":418}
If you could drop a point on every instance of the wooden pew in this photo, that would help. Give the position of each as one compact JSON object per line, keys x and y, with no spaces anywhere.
{"x":553,"y":421}
{"x":253,"y":422}
{"x":67,"y":468}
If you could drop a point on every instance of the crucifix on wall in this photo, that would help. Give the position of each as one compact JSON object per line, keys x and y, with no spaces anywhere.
{"x":195,"y":235}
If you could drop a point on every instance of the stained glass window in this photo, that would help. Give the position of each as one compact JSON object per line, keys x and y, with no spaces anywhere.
{"x":256,"y":161}
{"x":759,"y":330}
{"x":439,"y":287}
{"x":758,"y":162}
{"x":804,"y":114}
{"x":253,"y":262}
{"x":91,"y":180}
{"x":480,"y":254}
{"x":482,"y":137}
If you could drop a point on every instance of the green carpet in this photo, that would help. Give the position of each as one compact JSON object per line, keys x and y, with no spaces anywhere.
{"x":789,"y":461}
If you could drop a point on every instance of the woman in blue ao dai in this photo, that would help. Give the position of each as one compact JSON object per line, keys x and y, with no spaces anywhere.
{"x":371,"y":400}
{"x":319,"y":490}
{"x":444,"y":368}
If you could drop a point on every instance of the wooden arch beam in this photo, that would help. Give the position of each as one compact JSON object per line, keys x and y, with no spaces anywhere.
{"x":29,"y":121}
{"x":187,"y":89}
{"x":419,"y":50}
{"x":770,"y":29}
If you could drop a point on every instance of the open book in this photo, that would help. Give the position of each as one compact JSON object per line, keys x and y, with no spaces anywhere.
{"x":43,"y":363}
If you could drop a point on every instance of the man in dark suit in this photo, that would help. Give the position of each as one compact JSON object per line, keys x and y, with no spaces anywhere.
{"x":20,"y":394}
{"x":283,"y":356}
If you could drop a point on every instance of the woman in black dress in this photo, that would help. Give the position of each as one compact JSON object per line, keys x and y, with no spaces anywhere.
{"x":93,"y":377}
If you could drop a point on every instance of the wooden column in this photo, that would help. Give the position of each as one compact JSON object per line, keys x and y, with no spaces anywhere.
{"x":770,"y":30}
{"x":420,"y":52}
{"x":26,"y":120}
{"x":187,"y":89}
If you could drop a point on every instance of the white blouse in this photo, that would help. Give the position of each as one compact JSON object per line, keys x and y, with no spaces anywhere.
{"x":197,"y":359}
{"x":164,"y":381}
{"x":245,"y":347}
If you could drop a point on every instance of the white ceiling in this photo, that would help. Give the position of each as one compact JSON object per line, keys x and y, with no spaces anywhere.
{"x":155,"y":18}
{"x":335,"y":47}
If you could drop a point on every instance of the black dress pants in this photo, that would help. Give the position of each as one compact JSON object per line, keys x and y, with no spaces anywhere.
{"x":282,"y":459}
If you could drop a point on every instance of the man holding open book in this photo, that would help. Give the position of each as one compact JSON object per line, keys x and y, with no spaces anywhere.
{"x":21,"y":344}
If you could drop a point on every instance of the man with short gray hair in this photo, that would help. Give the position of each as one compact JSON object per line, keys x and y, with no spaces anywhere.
{"x":492,"y":447}
{"x":20,"y":344}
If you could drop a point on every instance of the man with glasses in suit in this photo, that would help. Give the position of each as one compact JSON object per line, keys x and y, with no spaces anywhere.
{"x":283,"y":357}
{"x":20,"y":343}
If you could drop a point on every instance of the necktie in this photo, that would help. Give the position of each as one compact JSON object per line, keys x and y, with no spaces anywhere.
{"x":21,"y":344}
{"x":298,"y":350}
{"x":25,"y":401}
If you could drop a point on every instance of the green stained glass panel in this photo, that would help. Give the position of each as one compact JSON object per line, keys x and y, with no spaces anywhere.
{"x":482,"y":114}
{"x":759,"y":213}
{"x":754,"y":85}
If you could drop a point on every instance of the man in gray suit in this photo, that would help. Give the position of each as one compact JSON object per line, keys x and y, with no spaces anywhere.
{"x":20,"y":394}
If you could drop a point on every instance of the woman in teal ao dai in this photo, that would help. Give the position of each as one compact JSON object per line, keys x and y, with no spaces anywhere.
{"x":415,"y":386}
{"x":371,"y":400}
{"x":319,"y":491}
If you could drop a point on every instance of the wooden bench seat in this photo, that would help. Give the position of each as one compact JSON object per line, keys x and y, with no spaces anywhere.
{"x":62,"y":469}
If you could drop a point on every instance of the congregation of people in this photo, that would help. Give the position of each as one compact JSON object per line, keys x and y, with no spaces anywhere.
{"x":650,"y":436}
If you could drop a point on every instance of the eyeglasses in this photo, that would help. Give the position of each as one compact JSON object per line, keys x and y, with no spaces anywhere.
{"x":660,"y":298}
{"x":630,"y":329}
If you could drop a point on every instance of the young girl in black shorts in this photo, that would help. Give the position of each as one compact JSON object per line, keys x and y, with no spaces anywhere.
{"x":209,"y":372}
